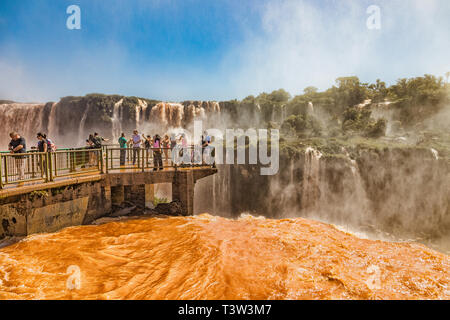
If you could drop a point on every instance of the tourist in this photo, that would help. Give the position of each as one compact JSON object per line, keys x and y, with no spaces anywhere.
{"x":50,"y":145}
{"x":173,"y":141}
{"x":157,"y":154}
{"x":148,"y":142}
{"x":136,"y":141}
{"x":183,"y":152}
{"x":90,"y":141}
{"x":98,"y":140}
{"x":123,"y":148}
{"x":91,"y":145}
{"x":42,"y":146}
{"x":18,"y":146}
{"x":166,"y":146}
{"x":206,"y":140}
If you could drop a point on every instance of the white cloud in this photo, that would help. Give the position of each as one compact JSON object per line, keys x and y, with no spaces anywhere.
{"x":312,"y":43}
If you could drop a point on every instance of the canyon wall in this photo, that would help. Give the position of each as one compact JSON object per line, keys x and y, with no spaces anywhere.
{"x":70,"y":121}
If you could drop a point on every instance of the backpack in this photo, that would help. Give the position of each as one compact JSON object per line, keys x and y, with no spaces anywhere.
{"x":98,"y":142}
{"x":50,"y":146}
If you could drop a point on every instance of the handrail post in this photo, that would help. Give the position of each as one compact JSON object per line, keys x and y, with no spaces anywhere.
{"x":1,"y":172}
{"x":70,"y":154}
{"x":106,"y":160}
{"x":33,"y":173}
{"x":143,"y":159}
{"x":111,"y":157}
{"x":45,"y":170}
{"x":50,"y":165}
{"x":6,"y":169}
{"x":56,"y":166}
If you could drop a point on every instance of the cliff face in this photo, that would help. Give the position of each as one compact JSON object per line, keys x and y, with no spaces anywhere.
{"x":70,"y":121}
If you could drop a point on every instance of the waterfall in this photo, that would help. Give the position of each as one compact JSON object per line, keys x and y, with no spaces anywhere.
{"x":311,"y":177}
{"x":435,"y":153}
{"x":291,"y":171}
{"x":143,"y":108}
{"x":168,"y":114}
{"x":117,"y":120}
{"x":194,"y":112}
{"x":26,"y":119}
{"x":310,"y":110}
{"x":358,"y":202}
{"x":52,"y":124}
{"x":81,"y":136}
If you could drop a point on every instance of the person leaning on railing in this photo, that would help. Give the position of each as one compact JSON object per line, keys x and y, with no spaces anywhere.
{"x":123,"y":148}
{"x":91,"y":145}
{"x":18,"y":146}
{"x":42,"y":146}
{"x":166,"y":146}
{"x":148,"y":142}
{"x":157,"y":154}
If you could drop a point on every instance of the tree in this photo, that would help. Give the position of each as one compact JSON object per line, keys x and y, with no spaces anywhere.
{"x":310,"y":90}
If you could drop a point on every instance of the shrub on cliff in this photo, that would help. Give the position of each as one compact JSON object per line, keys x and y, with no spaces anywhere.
{"x":417,"y":99}
{"x":376,"y":129}
{"x":302,"y":126}
{"x":358,"y":120}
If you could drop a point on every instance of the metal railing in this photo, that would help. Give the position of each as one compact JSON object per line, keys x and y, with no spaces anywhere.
{"x":152,"y":158}
{"x":46,"y":166}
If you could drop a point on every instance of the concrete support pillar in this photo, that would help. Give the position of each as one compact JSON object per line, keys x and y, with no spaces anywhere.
{"x":117,"y":195}
{"x":149,"y":195}
{"x":183,"y":190}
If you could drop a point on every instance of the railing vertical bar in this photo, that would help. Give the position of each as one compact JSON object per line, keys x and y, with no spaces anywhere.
{"x":143,"y":159}
{"x":107,"y":156}
{"x":1,"y":172}
{"x":6,"y":169}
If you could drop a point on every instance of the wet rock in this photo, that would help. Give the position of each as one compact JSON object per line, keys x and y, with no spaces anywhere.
{"x":123,"y":211}
{"x":174,"y":208}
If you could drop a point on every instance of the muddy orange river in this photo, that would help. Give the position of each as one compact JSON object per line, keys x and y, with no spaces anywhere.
{"x":206,"y":257}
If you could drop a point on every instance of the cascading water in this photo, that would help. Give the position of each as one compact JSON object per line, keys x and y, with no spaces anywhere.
{"x":311,"y":178}
{"x":435,"y":153}
{"x":117,"y":120}
{"x":140,"y":116}
{"x":52,"y":124}
{"x":168,"y":115}
{"x":310,"y":110}
{"x":26,"y":119}
{"x":81,"y":133}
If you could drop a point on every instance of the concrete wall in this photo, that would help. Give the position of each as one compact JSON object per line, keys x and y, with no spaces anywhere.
{"x":53,"y":209}
{"x":53,"y":206}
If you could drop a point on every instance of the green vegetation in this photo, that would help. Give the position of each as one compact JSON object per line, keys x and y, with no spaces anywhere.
{"x":157,"y":201}
{"x":352,"y":112}
{"x":38,"y":194}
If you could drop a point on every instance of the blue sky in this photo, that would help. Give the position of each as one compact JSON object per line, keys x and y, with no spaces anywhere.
{"x":213,"y":49}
